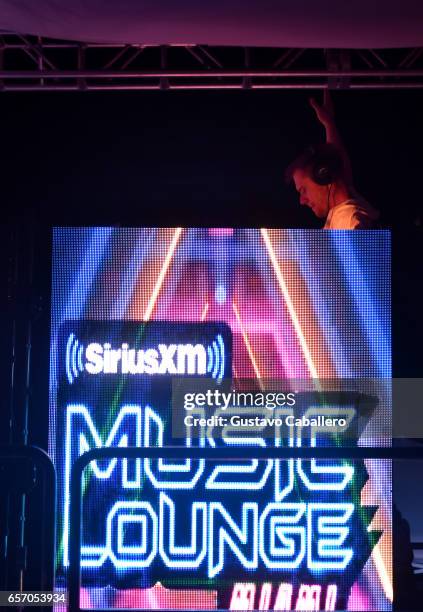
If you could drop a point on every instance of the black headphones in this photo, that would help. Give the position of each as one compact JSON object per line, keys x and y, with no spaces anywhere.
{"x":325,"y":162}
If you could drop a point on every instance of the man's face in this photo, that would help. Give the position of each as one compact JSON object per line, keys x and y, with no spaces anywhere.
{"x":311,"y":194}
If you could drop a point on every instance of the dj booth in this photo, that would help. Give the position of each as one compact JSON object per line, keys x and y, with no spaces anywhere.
{"x":246,"y":497}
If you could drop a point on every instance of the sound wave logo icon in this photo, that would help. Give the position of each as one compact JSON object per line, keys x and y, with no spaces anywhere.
{"x":161,"y":359}
{"x":74,"y":364}
{"x":216,"y":358}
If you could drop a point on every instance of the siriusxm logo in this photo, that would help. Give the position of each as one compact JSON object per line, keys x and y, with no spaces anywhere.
{"x":170,"y":359}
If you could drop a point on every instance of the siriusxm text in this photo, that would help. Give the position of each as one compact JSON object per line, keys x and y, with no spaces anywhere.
{"x":163,"y":359}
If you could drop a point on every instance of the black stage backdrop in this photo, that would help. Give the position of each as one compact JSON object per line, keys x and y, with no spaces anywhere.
{"x":199,"y":158}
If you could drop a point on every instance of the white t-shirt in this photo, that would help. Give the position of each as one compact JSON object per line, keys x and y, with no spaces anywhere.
{"x":351,"y":215}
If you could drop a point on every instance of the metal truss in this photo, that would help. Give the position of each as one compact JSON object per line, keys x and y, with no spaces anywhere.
{"x":30,"y":63}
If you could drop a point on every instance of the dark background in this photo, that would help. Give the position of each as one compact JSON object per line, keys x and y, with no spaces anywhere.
{"x":140,"y":158}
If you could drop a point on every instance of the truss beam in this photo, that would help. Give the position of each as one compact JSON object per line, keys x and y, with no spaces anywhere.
{"x":29,"y":63}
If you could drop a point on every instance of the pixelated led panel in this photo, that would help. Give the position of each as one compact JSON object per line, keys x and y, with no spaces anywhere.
{"x":134,"y":308}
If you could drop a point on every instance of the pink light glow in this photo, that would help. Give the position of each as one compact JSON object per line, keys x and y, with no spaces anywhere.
{"x":159,"y":597}
{"x":219,"y":232}
{"x":358,"y":599}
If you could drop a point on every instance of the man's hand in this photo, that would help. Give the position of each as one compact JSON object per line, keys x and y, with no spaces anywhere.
{"x":324,"y":112}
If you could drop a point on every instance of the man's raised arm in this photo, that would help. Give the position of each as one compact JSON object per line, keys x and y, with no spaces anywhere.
{"x":325,"y":114}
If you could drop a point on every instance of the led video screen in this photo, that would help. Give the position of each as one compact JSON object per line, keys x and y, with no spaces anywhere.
{"x":133,"y":310}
